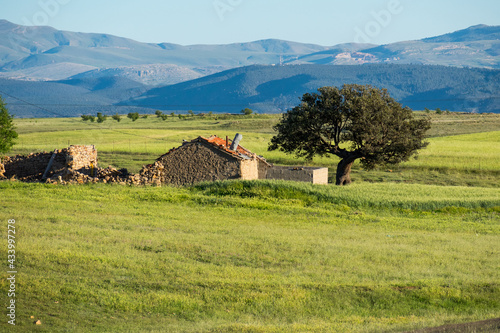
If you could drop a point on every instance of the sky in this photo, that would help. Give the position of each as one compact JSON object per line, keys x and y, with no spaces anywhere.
{"x":323,"y":22}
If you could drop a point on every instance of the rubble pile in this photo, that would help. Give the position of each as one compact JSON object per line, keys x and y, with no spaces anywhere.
{"x":149,"y":175}
{"x":99,"y":175}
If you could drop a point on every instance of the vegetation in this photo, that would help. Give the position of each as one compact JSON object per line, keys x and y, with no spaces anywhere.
{"x":246,"y":111}
{"x":393,"y":252}
{"x":133,"y":116}
{"x":253,"y":256}
{"x":101,"y":118}
{"x":117,"y":117}
{"x":379,"y":130}
{"x":275,"y":89}
{"x":446,"y":161}
{"x":88,"y":118}
{"x":8,"y":133}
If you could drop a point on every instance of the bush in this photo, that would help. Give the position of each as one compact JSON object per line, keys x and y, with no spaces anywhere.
{"x":101,"y":118}
{"x":87,"y":118}
{"x":133,"y":115}
{"x":247,"y":111}
{"x":117,"y":117}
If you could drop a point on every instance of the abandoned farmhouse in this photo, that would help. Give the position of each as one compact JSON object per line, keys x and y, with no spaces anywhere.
{"x":202,"y":159}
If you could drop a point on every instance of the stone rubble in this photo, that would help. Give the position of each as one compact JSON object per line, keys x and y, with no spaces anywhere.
{"x":73,"y":165}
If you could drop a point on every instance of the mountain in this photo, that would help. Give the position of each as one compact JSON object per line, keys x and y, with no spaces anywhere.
{"x":46,"y":72}
{"x":69,"y":98}
{"x":477,"y":46}
{"x":44,"y":53}
{"x":277,"y":88}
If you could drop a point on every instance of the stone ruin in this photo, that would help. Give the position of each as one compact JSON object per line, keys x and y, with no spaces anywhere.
{"x":193,"y":162}
{"x":76,"y":164}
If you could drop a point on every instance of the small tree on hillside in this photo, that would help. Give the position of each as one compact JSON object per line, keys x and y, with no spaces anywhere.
{"x":117,"y":117}
{"x":133,"y":115}
{"x":101,"y":118}
{"x":377,"y":128}
{"x":247,"y":111}
{"x":7,"y":129}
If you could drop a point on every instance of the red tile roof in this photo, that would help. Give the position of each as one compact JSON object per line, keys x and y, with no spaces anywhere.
{"x":221,"y":144}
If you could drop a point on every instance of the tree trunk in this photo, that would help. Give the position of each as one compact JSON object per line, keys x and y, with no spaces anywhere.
{"x":344,"y":171}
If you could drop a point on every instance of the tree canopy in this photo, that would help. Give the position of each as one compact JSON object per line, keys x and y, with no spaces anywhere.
{"x":7,"y":129}
{"x":353,"y":122}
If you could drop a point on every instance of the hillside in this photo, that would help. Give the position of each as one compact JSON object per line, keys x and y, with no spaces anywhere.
{"x":68,"y":97}
{"x":44,"y":53}
{"x":277,"y":88}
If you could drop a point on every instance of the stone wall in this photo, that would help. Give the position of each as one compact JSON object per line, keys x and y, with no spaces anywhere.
{"x":81,"y":158}
{"x":196,"y":162}
{"x":299,"y":174}
{"x":249,"y":169}
{"x":32,"y":167}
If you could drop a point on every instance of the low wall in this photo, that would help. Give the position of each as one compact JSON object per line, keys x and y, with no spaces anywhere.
{"x":33,"y":166}
{"x":299,"y":174}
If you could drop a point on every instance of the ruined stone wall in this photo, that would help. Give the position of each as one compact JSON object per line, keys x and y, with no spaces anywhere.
{"x":33,"y":166}
{"x":197,"y":162}
{"x":81,"y":158}
{"x":299,"y":174}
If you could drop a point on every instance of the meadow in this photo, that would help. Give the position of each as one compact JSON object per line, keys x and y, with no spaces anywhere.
{"x":404,"y":248}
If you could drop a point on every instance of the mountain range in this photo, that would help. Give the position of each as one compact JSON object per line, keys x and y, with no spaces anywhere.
{"x":99,"y":70}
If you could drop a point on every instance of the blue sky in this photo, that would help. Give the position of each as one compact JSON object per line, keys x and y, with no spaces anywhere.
{"x":324,"y":22}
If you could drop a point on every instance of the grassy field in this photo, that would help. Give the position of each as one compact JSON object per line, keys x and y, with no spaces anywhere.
{"x":254,"y":257}
{"x":469,"y":157}
{"x":401,"y":249}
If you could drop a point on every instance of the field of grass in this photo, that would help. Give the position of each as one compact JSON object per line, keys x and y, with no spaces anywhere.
{"x":401,"y":249}
{"x":253,"y":257}
{"x":467,"y":158}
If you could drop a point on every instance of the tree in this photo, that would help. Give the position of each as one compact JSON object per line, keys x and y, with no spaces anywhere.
{"x":247,"y":111}
{"x":117,"y":117}
{"x":7,"y":129}
{"x":158,"y":113}
{"x":376,"y":128}
{"x":133,"y":115}
{"x":87,"y":118}
{"x":101,"y":118}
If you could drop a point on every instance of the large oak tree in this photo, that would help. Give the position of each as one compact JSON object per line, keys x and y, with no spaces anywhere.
{"x":353,"y":122}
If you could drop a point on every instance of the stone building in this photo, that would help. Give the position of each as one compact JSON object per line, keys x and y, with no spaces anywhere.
{"x":208,"y":159}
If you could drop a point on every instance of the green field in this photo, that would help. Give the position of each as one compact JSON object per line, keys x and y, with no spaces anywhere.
{"x":403,"y":248}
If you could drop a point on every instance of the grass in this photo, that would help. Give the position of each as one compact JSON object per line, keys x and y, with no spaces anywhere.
{"x":398,"y":250}
{"x":463,"y":147}
{"x":253,"y":256}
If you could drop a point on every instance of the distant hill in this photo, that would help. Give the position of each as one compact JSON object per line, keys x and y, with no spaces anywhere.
{"x":68,"y":98}
{"x":70,"y":73}
{"x":277,"y":88}
{"x":44,"y":53}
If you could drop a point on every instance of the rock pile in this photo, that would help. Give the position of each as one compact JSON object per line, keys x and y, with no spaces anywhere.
{"x":149,"y":175}
{"x":99,"y":175}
